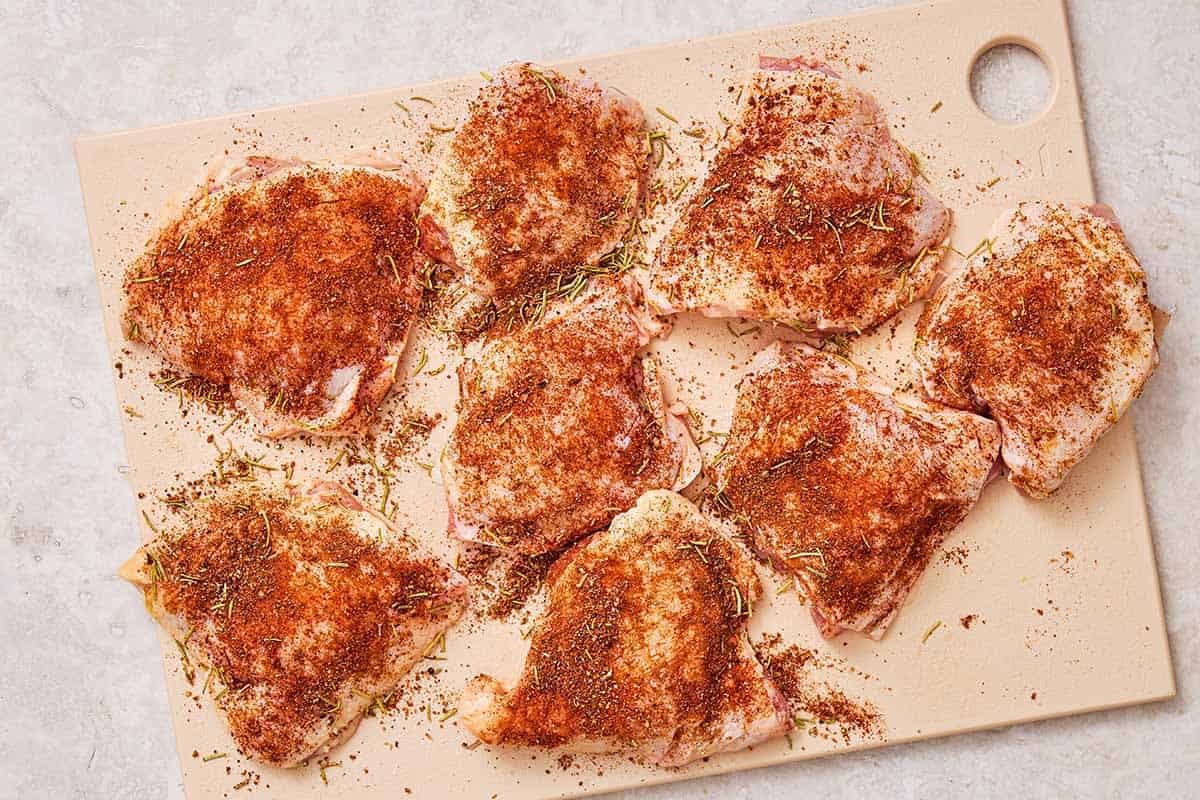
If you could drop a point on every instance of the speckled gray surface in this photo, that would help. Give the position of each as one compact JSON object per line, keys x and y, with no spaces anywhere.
{"x":82,"y":711}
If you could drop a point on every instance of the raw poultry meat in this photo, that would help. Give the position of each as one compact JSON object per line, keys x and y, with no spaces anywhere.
{"x":542,"y":180}
{"x":303,"y":613}
{"x":561,"y":425}
{"x":845,"y":487}
{"x":293,"y":284}
{"x":810,"y":214}
{"x":1049,"y":330}
{"x":643,"y":647}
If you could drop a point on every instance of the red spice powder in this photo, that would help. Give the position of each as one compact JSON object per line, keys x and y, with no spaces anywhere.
{"x":555,"y":171}
{"x":278,"y":284}
{"x":243,"y":579}
{"x":818,"y":707}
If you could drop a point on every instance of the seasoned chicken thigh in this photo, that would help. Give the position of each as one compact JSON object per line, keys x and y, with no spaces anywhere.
{"x":543,"y":179}
{"x":1048,"y":330}
{"x":810,"y":214}
{"x":844,"y":487}
{"x":303,"y":613}
{"x":561,"y":425}
{"x":292,"y":284}
{"x":643,"y":647}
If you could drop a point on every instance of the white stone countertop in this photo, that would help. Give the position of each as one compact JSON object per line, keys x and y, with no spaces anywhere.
{"x":82,"y":702}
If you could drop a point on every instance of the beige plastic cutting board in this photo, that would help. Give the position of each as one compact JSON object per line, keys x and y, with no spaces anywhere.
{"x":1058,"y":635}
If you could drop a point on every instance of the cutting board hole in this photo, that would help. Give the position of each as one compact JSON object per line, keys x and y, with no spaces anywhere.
{"x":1010,"y":83}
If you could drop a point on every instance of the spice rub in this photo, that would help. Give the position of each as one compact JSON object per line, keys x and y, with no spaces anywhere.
{"x":810,"y":213}
{"x":302,"y":613}
{"x":642,"y":649}
{"x":844,"y":487}
{"x":292,"y":284}
{"x":1048,"y":328}
{"x":818,"y":707}
{"x":561,"y":425}
{"x":543,"y":179}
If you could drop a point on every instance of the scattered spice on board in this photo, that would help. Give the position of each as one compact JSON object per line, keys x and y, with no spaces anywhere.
{"x":817,"y":707}
{"x":504,"y":582}
{"x":409,"y":431}
{"x":1064,"y":561}
{"x":192,"y":390}
{"x":957,"y":556}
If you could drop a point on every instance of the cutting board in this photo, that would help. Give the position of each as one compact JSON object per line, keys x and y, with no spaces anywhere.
{"x":1035,"y":609}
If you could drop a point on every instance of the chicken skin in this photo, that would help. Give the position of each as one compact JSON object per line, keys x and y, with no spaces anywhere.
{"x":303,"y":612}
{"x":292,"y":284}
{"x":643,"y":647}
{"x":810,"y":213}
{"x":561,"y":425}
{"x":542,"y":180}
{"x":1048,"y":330}
{"x":843,"y":487}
